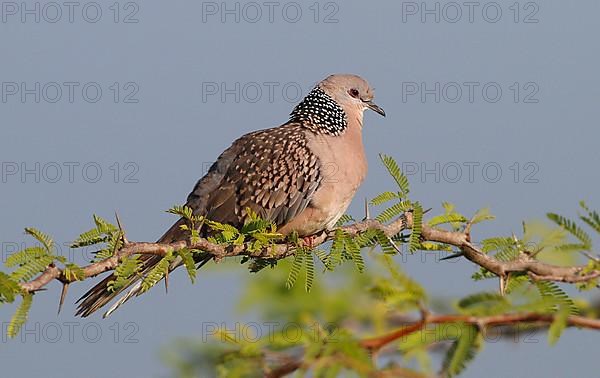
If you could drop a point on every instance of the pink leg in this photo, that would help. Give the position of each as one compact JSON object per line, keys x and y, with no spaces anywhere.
{"x":309,"y":241}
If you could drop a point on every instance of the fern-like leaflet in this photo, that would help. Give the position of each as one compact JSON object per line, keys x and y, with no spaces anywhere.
{"x":392,"y":167}
{"x":573,"y":228}
{"x":20,"y":316}
{"x":309,"y":267}
{"x":415,"y":236}
{"x":157,"y":272}
{"x":295,"y":269}
{"x":188,"y":261}
{"x":128,"y":268}
{"x":556,"y":297}
{"x":462,"y":351}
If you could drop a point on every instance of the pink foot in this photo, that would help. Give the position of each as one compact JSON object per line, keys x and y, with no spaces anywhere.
{"x":309,"y":241}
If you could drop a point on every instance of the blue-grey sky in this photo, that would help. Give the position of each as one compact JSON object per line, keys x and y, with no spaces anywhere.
{"x":489,"y":104}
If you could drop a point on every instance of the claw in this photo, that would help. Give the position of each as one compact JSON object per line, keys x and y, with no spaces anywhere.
{"x":309,"y":241}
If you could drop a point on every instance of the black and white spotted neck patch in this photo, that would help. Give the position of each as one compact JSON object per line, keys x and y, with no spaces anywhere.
{"x":320,"y":113}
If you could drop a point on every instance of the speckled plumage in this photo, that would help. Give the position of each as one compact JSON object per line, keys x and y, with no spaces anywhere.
{"x":271,"y":171}
{"x":301,"y":175}
{"x":320,"y":113}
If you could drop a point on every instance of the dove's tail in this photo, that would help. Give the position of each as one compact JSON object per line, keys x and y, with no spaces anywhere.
{"x":100,"y":295}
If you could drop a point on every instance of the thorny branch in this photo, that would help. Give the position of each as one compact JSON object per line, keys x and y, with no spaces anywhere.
{"x":525,"y":263}
{"x":375,"y":344}
{"x":536,"y":270}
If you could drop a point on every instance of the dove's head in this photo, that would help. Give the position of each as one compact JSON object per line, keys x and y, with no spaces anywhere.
{"x":334,"y":103}
{"x":351,"y":92}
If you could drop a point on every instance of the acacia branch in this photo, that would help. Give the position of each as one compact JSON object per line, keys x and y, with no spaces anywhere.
{"x":375,"y":344}
{"x":537,"y":270}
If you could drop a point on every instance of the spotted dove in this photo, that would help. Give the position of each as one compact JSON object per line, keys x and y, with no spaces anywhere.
{"x":301,"y":175}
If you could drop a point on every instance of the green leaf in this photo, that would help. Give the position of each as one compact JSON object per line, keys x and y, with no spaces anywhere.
{"x":103,"y":254}
{"x":25,"y":255}
{"x":367,"y":238}
{"x":462,"y":351}
{"x":103,"y":224}
{"x":447,"y":218}
{"x":337,"y":248}
{"x":507,"y":247}
{"x":354,"y":249}
{"x":592,"y":219}
{"x":103,"y":232}
{"x":222,"y":227}
{"x":556,"y":297}
{"x":384,"y":197}
{"x":482,"y":297}
{"x":255,"y":224}
{"x":182,"y":211}
{"x":430,"y":246}
{"x":309,"y":266}
{"x":415,"y":236}
{"x":558,"y":325}
{"x":8,"y":288}
{"x":188,"y":262}
{"x":343,"y":220}
{"x":572,"y":247}
{"x":91,"y":237}
{"x":571,"y":227}
{"x":322,"y":256}
{"x":484,"y":303}
{"x":123,"y":272}
{"x":434,"y":333}
{"x":157,"y":273}
{"x":402,"y":287}
{"x":497,"y":243}
{"x":73,"y":272}
{"x":516,"y":282}
{"x":482,"y":215}
{"x":448,"y":207}
{"x":396,"y":173}
{"x":394,"y":211}
{"x":295,"y":269}
{"x":258,"y":264}
{"x":41,"y":237}
{"x":591,"y":266}
{"x":386,"y":244}
{"x":31,"y":268}
{"x":193,"y":223}
{"x":20,"y":316}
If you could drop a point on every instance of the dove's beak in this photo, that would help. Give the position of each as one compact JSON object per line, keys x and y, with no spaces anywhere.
{"x":374,"y":107}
